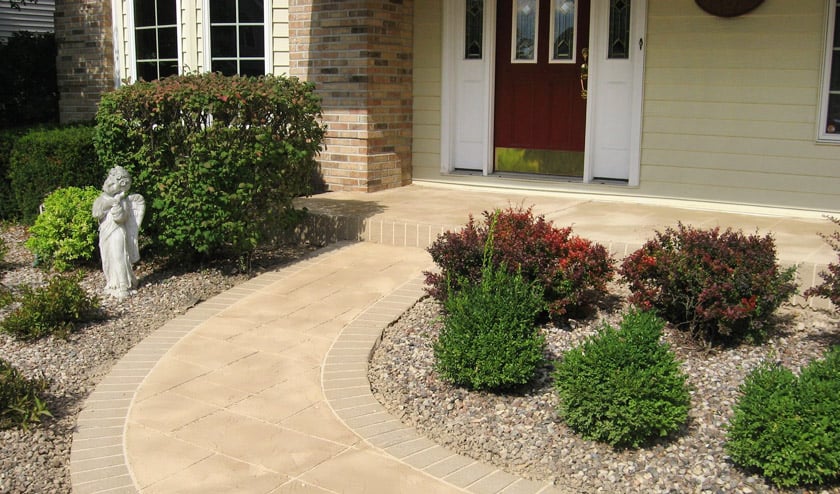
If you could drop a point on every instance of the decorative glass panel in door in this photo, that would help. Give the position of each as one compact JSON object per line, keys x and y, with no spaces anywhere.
{"x":563,"y":31}
{"x":524,"y":45}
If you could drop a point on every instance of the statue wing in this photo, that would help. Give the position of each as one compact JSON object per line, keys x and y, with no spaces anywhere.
{"x":138,"y":207}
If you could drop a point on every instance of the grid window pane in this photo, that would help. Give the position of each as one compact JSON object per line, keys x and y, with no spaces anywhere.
{"x":146,"y":44}
{"x":222,"y":10}
{"x":834,"y":84}
{"x":144,"y":13}
{"x":250,"y":10}
{"x":226,"y":67}
{"x":147,"y":71}
{"x":166,"y":15}
{"x":168,"y":42}
{"x":252,"y":67}
{"x":167,"y":68}
{"x":223,"y":41}
{"x":251,"y":41}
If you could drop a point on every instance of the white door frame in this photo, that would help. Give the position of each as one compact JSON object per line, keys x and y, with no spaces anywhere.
{"x":453,"y":29}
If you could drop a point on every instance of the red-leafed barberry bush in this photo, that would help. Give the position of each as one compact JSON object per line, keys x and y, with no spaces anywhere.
{"x":572,"y":270}
{"x":830,"y":286}
{"x":722,"y":286}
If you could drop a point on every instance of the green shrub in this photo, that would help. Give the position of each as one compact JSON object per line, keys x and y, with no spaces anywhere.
{"x":20,"y":401}
{"x":8,"y":204}
{"x":218,"y":159}
{"x":65,"y":233}
{"x":623,"y":387}
{"x":28,"y":78}
{"x":830,"y":286}
{"x":54,"y":308}
{"x":45,"y":160}
{"x":489,"y":338}
{"x":723,"y":287}
{"x":788,"y":428}
{"x":572,"y":270}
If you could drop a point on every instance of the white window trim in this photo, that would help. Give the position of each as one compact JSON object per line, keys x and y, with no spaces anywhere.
{"x":822,"y":135}
{"x":132,"y":41}
{"x":551,"y":35}
{"x":268,"y":33}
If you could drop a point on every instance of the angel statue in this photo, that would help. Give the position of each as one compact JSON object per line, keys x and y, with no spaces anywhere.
{"x":119,"y":216}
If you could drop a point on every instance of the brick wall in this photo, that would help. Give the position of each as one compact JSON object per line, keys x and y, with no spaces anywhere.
{"x":85,"y":63}
{"x":359,"y":55}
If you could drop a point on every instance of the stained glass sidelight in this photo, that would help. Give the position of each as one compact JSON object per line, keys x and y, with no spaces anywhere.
{"x":525,"y":18}
{"x":473,"y":41}
{"x":619,"y":40}
{"x":563,"y":30}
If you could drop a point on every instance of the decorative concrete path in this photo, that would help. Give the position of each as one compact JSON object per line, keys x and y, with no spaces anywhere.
{"x":263,"y":389}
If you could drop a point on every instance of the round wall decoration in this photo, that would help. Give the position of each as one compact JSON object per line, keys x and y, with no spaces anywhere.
{"x":728,"y":8}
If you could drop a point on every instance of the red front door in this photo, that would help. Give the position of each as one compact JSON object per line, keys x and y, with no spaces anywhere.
{"x":540,"y":113}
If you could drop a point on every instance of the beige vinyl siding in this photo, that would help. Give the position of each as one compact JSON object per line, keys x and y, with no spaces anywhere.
{"x":731,"y":106}
{"x":427,"y":88}
{"x":33,"y":17}
{"x":121,"y":43}
{"x":280,"y":37}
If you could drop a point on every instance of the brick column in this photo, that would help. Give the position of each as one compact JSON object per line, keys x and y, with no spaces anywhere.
{"x":85,"y":65}
{"x":359,"y":55}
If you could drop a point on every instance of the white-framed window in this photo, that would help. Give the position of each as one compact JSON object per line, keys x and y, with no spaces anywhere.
{"x":524,"y":36}
{"x":155,"y":38}
{"x":829,"y":123}
{"x":563,"y":31}
{"x":238,"y":36}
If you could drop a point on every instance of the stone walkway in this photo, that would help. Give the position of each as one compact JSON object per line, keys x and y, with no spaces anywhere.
{"x":263,"y":389}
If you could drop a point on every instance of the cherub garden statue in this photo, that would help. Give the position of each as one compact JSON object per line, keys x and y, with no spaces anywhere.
{"x":120,"y":216}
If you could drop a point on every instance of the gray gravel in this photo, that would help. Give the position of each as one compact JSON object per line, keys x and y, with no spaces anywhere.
{"x":37,"y":461}
{"x":520,"y":432}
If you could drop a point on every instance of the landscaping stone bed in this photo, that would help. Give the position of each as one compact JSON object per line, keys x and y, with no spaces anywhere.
{"x":520,"y":432}
{"x":37,"y":461}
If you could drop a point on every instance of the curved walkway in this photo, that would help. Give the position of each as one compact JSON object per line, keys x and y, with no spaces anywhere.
{"x":263,"y":389}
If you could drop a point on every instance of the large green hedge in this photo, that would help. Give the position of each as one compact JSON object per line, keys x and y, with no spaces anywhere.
{"x":218,"y":158}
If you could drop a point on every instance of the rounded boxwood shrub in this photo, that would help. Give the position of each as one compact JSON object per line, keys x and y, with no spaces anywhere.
{"x":572,"y":270}
{"x":489,"y":338}
{"x":54,"y":308}
{"x":65,"y":233}
{"x":623,"y":387}
{"x":722,"y":286}
{"x":20,"y":401}
{"x":788,"y":427}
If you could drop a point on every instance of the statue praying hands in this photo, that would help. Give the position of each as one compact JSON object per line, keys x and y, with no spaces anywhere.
{"x":120,"y":216}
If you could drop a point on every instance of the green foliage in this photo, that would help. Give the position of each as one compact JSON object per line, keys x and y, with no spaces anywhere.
{"x":489,"y":339}
{"x":20,"y":401}
{"x":54,"y":308}
{"x":219,"y":159}
{"x":572,"y":270}
{"x":8,"y":206}
{"x":723,"y":286}
{"x":28,"y":79}
{"x":788,"y":427}
{"x":623,"y":387}
{"x":45,"y":160}
{"x":65,"y":233}
{"x":830,"y":286}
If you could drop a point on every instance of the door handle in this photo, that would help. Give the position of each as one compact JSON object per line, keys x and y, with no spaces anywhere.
{"x":584,"y":73}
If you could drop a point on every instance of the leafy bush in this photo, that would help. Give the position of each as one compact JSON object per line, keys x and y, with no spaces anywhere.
{"x":623,"y":387}
{"x":830,"y":286}
{"x":28,"y":79}
{"x":54,"y":308}
{"x":8,"y":206}
{"x":788,"y":428}
{"x":20,"y":403}
{"x":45,"y":160}
{"x":66,"y":232}
{"x":571,"y":269}
{"x":722,"y":286}
{"x":218,"y":159}
{"x":489,"y":339}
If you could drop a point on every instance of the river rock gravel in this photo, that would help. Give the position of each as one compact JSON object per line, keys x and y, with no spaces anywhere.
{"x":37,"y":460}
{"x":520,"y":432}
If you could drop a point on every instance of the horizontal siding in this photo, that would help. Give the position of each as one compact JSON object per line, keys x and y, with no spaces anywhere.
{"x":731,"y":106}
{"x":37,"y":17}
{"x":280,"y":37}
{"x":427,"y":89}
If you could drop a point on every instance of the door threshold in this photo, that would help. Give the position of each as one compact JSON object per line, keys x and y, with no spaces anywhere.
{"x":537,"y":177}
